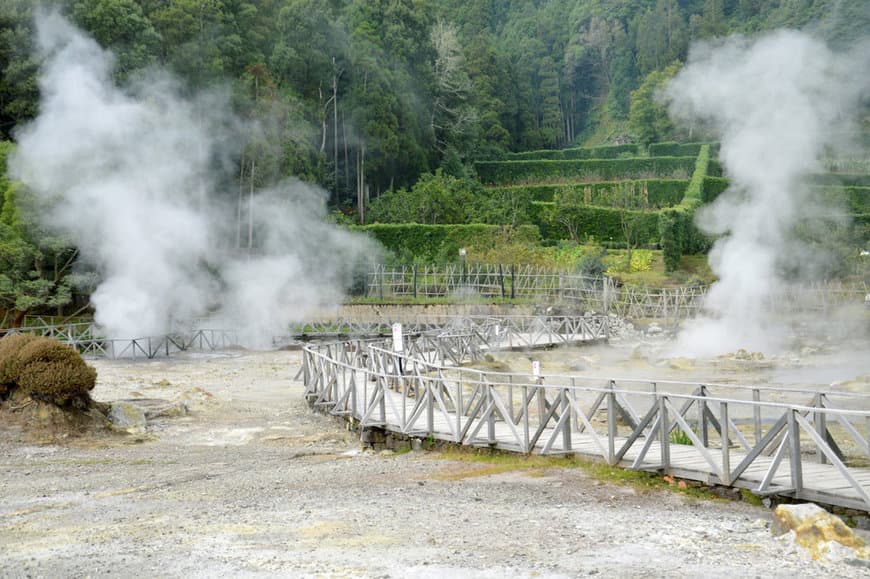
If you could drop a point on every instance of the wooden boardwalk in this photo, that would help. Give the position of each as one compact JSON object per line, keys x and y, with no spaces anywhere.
{"x":814,"y":448}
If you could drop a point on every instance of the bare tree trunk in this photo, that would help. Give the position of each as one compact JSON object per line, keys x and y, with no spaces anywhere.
{"x":251,"y":207}
{"x":241,"y":197}
{"x":335,"y":127}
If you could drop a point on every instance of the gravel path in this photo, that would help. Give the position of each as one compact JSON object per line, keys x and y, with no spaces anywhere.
{"x":251,"y":482}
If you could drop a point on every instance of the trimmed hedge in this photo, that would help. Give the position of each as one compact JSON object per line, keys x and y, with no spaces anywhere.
{"x":676,"y":226}
{"x":658,"y":192}
{"x":520,"y":172}
{"x":842,"y":179}
{"x":604,"y":152}
{"x":439,"y":243}
{"x":600,"y":223}
{"x":674,"y":149}
{"x":712,"y":187}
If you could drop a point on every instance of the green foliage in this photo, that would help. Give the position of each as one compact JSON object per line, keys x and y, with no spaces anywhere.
{"x":440,"y":243}
{"x":605,"y":152}
{"x":657,"y":193}
{"x":520,"y":172}
{"x":435,"y":199}
{"x":712,"y":187}
{"x":581,"y":222}
{"x":674,"y":149}
{"x":10,"y":364}
{"x":679,"y":436}
{"x":54,"y":372}
{"x":648,"y":118}
{"x":677,"y":231}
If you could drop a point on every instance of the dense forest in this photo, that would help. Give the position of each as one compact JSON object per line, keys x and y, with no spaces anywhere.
{"x":361,"y":96}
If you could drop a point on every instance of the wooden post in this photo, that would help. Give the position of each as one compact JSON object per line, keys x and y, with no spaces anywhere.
{"x":501,"y":280}
{"x":726,"y":443}
{"x":415,"y":281}
{"x":513,"y":282}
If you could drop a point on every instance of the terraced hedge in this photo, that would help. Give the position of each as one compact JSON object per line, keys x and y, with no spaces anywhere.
{"x":658,"y":192}
{"x":712,"y":187}
{"x":606,"y":152}
{"x":599,"y":223}
{"x":526,"y":172}
{"x":439,"y":243}
{"x":676,"y":226}
{"x":674,"y":149}
{"x":842,"y":179}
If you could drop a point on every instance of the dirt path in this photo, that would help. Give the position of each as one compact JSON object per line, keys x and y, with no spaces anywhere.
{"x":251,"y":482}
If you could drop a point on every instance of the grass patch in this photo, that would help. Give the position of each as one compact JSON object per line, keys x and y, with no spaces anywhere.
{"x":485,"y":462}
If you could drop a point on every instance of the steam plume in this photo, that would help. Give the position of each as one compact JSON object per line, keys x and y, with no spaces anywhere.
{"x":130,"y":176}
{"x":778,"y":102}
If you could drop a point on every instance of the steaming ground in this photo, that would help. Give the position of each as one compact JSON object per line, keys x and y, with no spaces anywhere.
{"x":252,"y":482}
{"x":148,"y":193}
{"x":780,"y":101}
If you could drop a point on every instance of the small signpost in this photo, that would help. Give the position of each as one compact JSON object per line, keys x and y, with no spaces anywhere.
{"x":398,"y":343}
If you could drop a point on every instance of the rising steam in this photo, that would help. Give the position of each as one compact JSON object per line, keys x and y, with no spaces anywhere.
{"x":778,"y":102}
{"x":130,"y":177}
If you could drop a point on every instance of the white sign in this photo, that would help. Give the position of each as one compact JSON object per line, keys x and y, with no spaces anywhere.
{"x":398,"y":344}
{"x":536,"y":368}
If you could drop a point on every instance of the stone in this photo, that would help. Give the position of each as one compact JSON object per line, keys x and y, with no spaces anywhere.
{"x":681,"y":364}
{"x":825,"y":535}
{"x":127,"y":416}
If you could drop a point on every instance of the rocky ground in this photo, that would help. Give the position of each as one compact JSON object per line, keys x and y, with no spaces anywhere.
{"x":239,"y":478}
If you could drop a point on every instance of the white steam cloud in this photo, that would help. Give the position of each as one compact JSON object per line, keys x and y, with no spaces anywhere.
{"x":129,"y":176}
{"x":778,"y":102}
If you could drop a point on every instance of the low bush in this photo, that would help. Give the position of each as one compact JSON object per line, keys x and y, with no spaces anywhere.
{"x":441,"y":243}
{"x":54,"y":372}
{"x":10,"y":346}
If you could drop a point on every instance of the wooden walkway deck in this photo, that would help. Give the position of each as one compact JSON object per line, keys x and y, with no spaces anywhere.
{"x":738,"y":436}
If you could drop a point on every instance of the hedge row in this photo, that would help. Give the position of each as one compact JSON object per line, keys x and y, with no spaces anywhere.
{"x":438,"y":243}
{"x":658,"y":193}
{"x":855,"y":199}
{"x":605,"y":152}
{"x":591,"y":222}
{"x":843,"y":179}
{"x":712,"y":187}
{"x":678,"y":234}
{"x":674,"y":149}
{"x":517,"y":172}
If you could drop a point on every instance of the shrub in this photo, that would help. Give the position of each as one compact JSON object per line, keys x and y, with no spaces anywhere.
{"x":440,"y":243}
{"x":9,"y":361}
{"x":54,"y":372}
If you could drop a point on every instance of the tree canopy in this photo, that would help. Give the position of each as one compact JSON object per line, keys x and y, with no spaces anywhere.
{"x":371,"y":94}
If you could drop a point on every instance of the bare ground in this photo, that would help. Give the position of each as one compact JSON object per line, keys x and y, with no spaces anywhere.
{"x":252,"y":483}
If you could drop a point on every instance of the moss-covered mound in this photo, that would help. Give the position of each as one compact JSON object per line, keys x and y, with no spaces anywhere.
{"x":54,"y":372}
{"x":45,"y":370}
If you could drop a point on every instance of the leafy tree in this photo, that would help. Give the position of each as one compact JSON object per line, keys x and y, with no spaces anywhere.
{"x":19,"y":95}
{"x":648,"y":117}
{"x":35,"y":265}
{"x":121,"y":26}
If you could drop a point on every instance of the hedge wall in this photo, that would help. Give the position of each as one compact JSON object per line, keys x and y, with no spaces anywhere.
{"x":676,"y":226}
{"x":843,"y":179}
{"x":658,"y":192}
{"x":855,"y":199}
{"x":600,"y":223}
{"x":606,"y":152}
{"x":439,"y":243}
{"x":712,"y":187}
{"x":522,"y":172}
{"x":674,"y":149}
